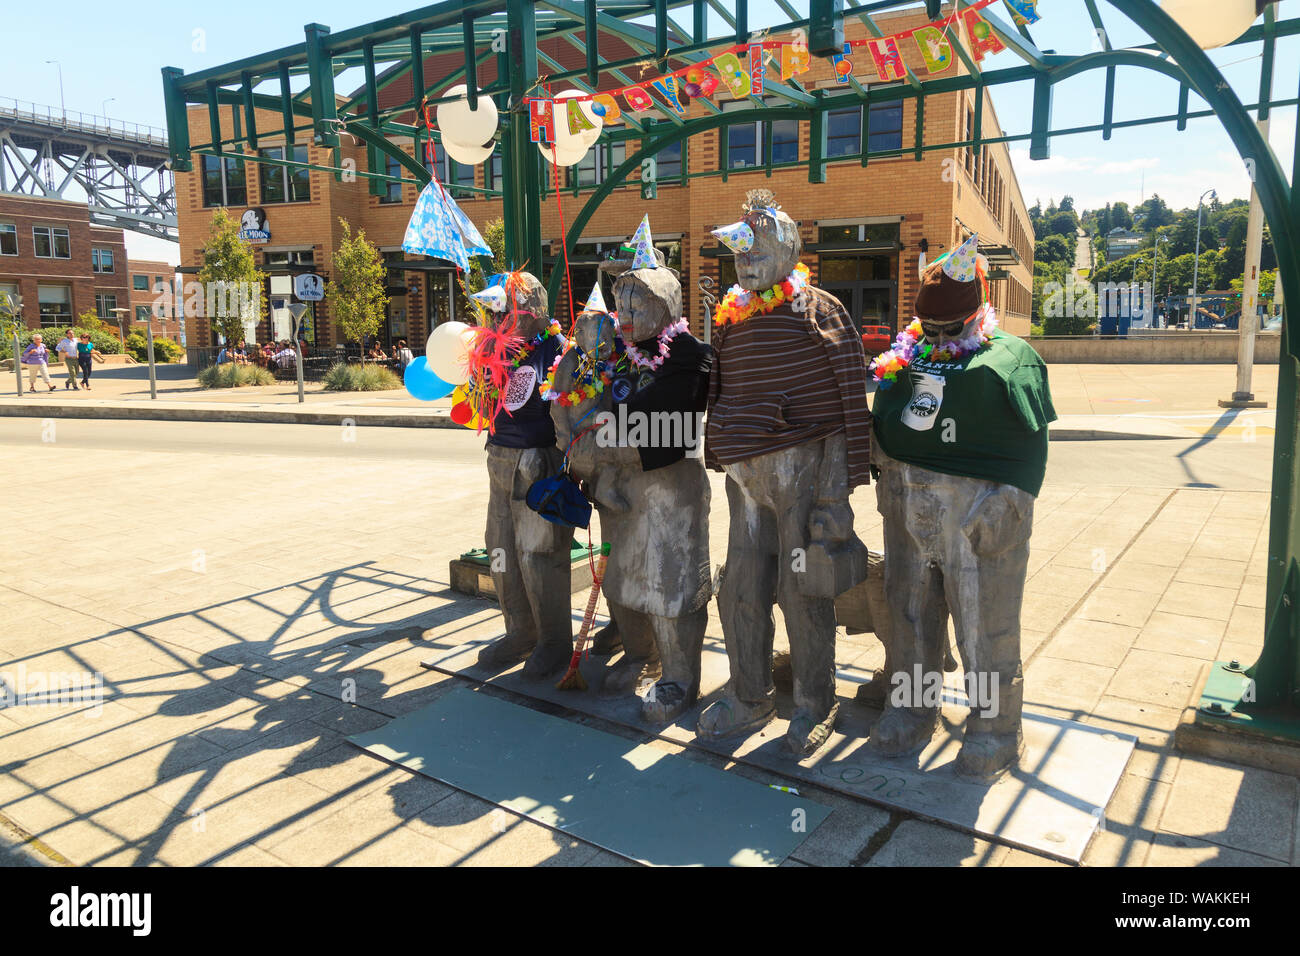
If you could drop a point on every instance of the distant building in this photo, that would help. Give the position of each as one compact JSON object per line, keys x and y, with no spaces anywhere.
{"x":153,"y":290}
{"x":59,"y":262}
{"x":1121,"y":242}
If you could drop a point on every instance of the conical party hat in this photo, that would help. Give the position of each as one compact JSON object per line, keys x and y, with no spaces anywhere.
{"x":960,"y":265}
{"x":738,"y":237}
{"x":595,"y":301}
{"x":644,"y":258}
{"x":493,"y":297}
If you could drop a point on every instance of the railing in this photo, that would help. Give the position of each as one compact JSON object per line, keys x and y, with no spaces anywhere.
{"x":93,"y":124}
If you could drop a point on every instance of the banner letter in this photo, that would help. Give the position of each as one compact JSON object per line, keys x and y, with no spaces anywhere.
{"x":843,"y":65}
{"x":734,"y":76}
{"x":982,"y":38}
{"x":935,"y":50}
{"x":541,"y":121}
{"x":667,"y":87}
{"x":889,"y":62}
{"x":756,"y":68}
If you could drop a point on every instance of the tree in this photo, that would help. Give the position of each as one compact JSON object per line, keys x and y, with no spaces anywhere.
{"x":234,"y":288}
{"x":356,"y":294}
{"x":1064,"y":223}
{"x":1120,"y":216}
{"x":494,"y":234}
{"x":1067,"y":204}
{"x":1155,"y":213}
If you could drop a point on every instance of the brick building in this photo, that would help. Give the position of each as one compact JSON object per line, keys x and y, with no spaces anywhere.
{"x":59,"y":262}
{"x":862,"y":228}
{"x":149,"y":280}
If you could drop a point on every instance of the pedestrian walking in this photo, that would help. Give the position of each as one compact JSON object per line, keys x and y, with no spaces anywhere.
{"x":67,"y":347}
{"x":87,"y":355}
{"x":404,"y":356}
{"x":36,"y":357}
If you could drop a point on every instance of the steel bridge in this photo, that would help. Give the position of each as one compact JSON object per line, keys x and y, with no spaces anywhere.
{"x":122,"y":171}
{"x":518,"y":33}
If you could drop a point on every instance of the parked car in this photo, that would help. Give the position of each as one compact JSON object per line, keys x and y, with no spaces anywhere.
{"x":876,"y":339}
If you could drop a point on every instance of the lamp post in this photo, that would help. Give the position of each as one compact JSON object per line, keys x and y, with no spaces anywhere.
{"x":1155,"y":272}
{"x":298,"y":310}
{"x":121,"y":325}
{"x":12,"y":307}
{"x":62,"y":106}
{"x":1248,"y":324}
{"x":1196,"y":258}
{"x":104,"y":107}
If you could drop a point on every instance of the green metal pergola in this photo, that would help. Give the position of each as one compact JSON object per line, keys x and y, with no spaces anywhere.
{"x":516,"y":35}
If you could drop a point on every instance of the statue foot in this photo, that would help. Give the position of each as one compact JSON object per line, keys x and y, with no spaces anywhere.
{"x":728,"y":717}
{"x":666,"y":702}
{"x":900,"y":732}
{"x":626,"y":676}
{"x":547,"y":660}
{"x":607,"y":640}
{"x":806,"y":734}
{"x":986,"y":757}
{"x":506,"y":650}
{"x":874,"y":692}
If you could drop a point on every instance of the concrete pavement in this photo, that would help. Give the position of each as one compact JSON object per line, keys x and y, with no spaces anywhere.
{"x":230,"y":582}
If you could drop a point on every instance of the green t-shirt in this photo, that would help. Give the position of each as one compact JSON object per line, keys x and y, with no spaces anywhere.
{"x":85,"y":348}
{"x":982,"y":416}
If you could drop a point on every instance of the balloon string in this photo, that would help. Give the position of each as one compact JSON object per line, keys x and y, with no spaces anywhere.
{"x":564,"y":237}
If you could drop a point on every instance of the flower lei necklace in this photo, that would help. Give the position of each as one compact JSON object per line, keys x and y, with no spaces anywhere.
{"x":740,"y":304}
{"x":591,"y":382}
{"x":886,"y":366}
{"x":487,"y":390}
{"x":666,"y":335}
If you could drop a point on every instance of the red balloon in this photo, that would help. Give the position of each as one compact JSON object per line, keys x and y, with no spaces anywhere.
{"x":461,"y":413}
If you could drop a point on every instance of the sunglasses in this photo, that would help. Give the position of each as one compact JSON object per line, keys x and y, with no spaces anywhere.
{"x":948,"y":329}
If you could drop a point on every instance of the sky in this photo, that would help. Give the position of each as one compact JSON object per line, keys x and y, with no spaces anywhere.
{"x":110,"y":66}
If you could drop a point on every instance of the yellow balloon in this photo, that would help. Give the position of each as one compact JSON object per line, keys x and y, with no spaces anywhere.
{"x":461,"y":396}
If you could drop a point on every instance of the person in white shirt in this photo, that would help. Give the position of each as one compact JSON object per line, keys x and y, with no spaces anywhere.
{"x":67,"y":347}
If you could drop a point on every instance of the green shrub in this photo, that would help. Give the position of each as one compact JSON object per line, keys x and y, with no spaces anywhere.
{"x":1035,"y":331}
{"x":104,"y":341}
{"x":360,"y":378}
{"x":164,"y":350}
{"x":229,"y":375}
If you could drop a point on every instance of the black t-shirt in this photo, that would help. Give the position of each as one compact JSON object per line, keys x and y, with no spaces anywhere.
{"x":679,"y":386}
{"x":525,"y":420}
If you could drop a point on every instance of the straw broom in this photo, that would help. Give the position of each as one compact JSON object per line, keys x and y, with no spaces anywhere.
{"x":573,"y":679}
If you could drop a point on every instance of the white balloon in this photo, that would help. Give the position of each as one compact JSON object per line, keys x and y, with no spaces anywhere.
{"x":1212,"y":23}
{"x":464,"y":126}
{"x":562,"y":156}
{"x":468,"y":155}
{"x":587,"y":137}
{"x":447,"y":351}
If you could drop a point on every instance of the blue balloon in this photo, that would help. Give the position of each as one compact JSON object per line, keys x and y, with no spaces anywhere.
{"x":423,"y":384}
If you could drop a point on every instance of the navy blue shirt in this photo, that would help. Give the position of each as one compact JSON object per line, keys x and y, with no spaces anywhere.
{"x":525,"y":420}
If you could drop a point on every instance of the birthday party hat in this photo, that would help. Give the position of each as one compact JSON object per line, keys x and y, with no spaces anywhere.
{"x":595,"y":301}
{"x":644,"y":257}
{"x":738,"y":237}
{"x":960,"y":265}
{"x":494,"y":296}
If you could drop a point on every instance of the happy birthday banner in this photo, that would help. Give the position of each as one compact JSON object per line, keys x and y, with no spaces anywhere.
{"x":742,"y":69}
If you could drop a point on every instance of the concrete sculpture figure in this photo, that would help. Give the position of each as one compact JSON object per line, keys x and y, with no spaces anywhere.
{"x":629,"y":415}
{"x":961,"y":416}
{"x":530,"y":556}
{"x":788,"y":423}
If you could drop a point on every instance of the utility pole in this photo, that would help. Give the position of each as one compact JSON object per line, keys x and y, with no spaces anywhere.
{"x":1247,"y":326}
{"x":1196,"y":260}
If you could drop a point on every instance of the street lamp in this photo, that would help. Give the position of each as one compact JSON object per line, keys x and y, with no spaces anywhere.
{"x":1212,"y":23}
{"x":62,"y":105}
{"x":1155,"y":272}
{"x":104,"y":107}
{"x":298,"y":310}
{"x":1196,"y":257}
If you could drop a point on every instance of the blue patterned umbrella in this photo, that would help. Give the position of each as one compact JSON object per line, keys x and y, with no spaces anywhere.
{"x":439,"y":228}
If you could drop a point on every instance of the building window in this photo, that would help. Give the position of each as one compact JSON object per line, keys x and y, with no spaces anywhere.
{"x":392,"y":188}
{"x":756,"y":144}
{"x":844,"y":132}
{"x":595,"y":167}
{"x":140,"y":283}
{"x":10,"y":290}
{"x":105,"y":303}
{"x":455,"y":174}
{"x":285,"y":183}
{"x":101,"y":260}
{"x":668,"y":164}
{"x":142,"y":313}
{"x":492,"y":171}
{"x":224,"y":181}
{"x":885,"y":127}
{"x":8,"y":239}
{"x":52,"y":242}
{"x":290,"y":257}
{"x":55,"y":304}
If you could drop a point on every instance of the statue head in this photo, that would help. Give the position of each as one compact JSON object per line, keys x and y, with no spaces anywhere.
{"x":519,"y":296}
{"x":951,"y":298}
{"x":647,"y":301}
{"x":766,"y":242}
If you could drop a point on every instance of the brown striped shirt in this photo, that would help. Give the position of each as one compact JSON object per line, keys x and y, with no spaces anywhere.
{"x":781,"y":380}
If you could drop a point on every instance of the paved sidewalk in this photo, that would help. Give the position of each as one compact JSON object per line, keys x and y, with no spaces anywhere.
{"x":227,"y":648}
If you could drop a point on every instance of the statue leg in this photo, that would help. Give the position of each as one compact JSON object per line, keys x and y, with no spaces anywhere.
{"x":918,"y":624}
{"x":640,"y":660}
{"x":545,"y":557}
{"x":987,"y":601}
{"x":745,"y":601}
{"x":506,"y":564}
{"x":680,"y":640}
